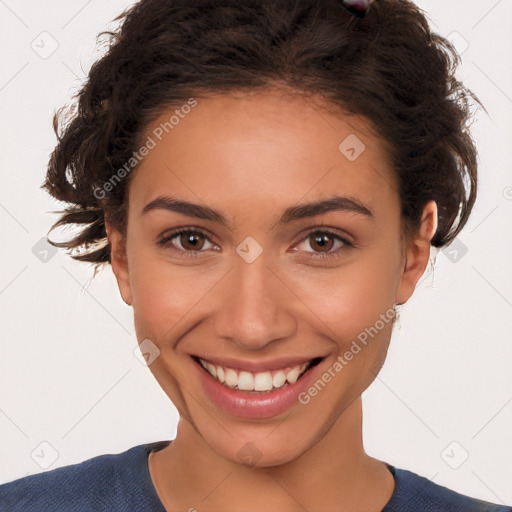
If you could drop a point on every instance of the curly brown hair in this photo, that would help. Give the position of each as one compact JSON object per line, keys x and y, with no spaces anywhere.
{"x":388,"y":67}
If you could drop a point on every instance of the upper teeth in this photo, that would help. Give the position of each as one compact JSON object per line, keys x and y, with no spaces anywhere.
{"x":248,"y":381}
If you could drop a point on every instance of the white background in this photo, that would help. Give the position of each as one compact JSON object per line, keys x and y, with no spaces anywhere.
{"x":68,"y":376}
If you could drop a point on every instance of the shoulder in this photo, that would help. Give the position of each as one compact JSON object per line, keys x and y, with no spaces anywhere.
{"x":414,"y":493}
{"x":107,"y":482}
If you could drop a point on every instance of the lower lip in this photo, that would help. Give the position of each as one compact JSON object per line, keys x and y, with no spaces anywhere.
{"x":254,"y":405}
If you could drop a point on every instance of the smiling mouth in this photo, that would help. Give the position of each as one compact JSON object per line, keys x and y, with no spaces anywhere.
{"x":256,"y":382}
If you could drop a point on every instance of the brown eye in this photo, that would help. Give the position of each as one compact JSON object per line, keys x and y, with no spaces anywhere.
{"x":321,"y":242}
{"x":188,"y":242}
{"x":191,"y":241}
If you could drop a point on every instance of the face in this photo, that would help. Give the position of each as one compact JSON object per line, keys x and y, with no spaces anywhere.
{"x":257,"y":284}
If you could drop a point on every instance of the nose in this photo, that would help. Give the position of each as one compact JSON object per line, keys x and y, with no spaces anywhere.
{"x":255,"y":306}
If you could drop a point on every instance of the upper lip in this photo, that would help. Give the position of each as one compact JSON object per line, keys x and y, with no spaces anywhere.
{"x":258,"y":366}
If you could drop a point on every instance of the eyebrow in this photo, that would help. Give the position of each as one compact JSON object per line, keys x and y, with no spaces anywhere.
{"x":293,"y":213}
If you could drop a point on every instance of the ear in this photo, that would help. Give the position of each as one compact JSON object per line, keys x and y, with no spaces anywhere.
{"x":417,"y":253}
{"x":119,"y":262}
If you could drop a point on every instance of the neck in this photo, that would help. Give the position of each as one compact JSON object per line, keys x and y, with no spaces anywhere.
{"x":334,"y":474}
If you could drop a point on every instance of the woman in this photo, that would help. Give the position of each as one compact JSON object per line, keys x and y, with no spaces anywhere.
{"x":266,"y":180}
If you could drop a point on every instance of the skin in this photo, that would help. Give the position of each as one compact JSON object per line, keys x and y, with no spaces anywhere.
{"x":250,"y":156}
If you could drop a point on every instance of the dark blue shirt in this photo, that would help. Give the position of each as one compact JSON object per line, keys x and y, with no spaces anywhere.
{"x":121,"y":482}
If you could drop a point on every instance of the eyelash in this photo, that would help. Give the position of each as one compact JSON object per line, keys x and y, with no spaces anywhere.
{"x":164,"y":242}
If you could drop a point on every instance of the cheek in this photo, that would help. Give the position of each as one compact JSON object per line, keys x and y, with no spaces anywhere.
{"x":163,"y":294}
{"x":355,"y":306}
{"x":352,"y":297}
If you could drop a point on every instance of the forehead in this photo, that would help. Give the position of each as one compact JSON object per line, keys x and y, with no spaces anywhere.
{"x":262,"y":150}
